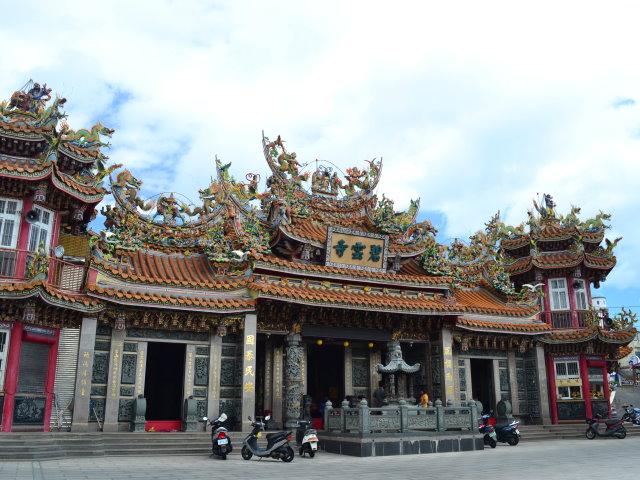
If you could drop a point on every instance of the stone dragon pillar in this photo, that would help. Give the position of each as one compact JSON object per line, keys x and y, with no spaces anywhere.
{"x":293,"y":381}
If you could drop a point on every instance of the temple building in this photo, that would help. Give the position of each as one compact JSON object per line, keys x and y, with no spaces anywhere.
{"x":273,"y":300}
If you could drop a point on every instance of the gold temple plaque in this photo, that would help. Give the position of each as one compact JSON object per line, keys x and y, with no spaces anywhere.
{"x":348,"y":248}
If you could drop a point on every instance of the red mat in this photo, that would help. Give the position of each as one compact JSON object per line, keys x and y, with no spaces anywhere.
{"x":163,"y":425}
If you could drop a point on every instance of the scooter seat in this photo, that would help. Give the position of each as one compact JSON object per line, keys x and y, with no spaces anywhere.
{"x":273,"y":436}
{"x":611,"y":422}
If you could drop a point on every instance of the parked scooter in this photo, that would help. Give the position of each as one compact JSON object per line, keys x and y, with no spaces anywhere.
{"x":488,"y":431}
{"x":615,"y":428}
{"x":509,"y":433}
{"x":277,"y":443}
{"x":220,"y":441}
{"x":306,"y":438}
{"x":631,"y":415}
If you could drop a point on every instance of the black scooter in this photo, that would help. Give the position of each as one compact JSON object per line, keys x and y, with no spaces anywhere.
{"x":615,"y":428}
{"x":220,"y":441}
{"x":277,"y":443}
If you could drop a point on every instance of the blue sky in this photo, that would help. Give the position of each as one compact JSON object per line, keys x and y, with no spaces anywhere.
{"x":474,"y":107}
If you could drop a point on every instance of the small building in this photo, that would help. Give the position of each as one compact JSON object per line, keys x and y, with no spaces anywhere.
{"x":271,"y":300}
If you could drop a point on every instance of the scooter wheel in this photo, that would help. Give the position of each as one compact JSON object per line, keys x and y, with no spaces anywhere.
{"x":514,"y":440}
{"x":288,"y":456}
{"x":246,"y":453}
{"x":621,"y":434}
{"x":492,"y":443}
{"x":223,"y":456}
{"x":590,"y":434}
{"x":311,"y":452}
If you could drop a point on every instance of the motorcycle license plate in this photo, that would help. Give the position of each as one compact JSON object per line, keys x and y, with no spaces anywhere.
{"x":517,"y":431}
{"x":223,"y":441}
{"x":314,"y":446}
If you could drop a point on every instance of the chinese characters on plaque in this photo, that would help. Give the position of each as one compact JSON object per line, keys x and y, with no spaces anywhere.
{"x":357,"y":250}
{"x":249,"y":374}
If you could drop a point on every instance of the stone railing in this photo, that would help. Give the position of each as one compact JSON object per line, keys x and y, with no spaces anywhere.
{"x":400,"y":419}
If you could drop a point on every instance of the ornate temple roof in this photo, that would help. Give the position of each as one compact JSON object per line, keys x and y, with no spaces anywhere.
{"x":178,"y":265}
{"x":595,"y":332}
{"x":554,"y":260}
{"x":49,"y":294}
{"x":36,"y":144}
{"x":622,"y":352}
{"x":249,"y":246}
{"x":408,"y":274}
{"x":497,"y":325}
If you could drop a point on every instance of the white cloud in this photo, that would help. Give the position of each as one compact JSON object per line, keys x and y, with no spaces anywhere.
{"x":475,"y":106}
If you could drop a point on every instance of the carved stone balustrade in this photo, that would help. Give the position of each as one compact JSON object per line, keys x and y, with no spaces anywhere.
{"x":365,"y":421}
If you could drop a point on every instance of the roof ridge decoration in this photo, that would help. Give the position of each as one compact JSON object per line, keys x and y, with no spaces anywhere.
{"x":548,"y":225}
{"x":480,"y":261}
{"x":287,"y":176}
{"x":27,"y":115}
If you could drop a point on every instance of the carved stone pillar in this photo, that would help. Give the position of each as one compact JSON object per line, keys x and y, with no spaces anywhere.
{"x":215,"y":360}
{"x":268,"y":376}
{"x":348,"y":371}
{"x":249,"y":370}
{"x":293,"y":379}
{"x":277,"y":384}
{"x":112,"y":405}
{"x":83,"y":375}
{"x":447,"y":365}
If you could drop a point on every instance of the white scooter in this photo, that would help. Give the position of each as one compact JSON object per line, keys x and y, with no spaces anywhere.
{"x":277,"y":443}
{"x":306,"y":438}
{"x":220,"y":441}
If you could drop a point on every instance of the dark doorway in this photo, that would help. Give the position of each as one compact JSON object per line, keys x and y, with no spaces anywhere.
{"x":164,"y":381}
{"x":325,"y":373}
{"x":482,"y":382}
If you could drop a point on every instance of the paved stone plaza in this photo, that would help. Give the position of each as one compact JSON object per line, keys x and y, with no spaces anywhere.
{"x":567,"y":460}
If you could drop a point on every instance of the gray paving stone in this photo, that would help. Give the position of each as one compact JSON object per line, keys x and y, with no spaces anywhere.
{"x":557,"y":459}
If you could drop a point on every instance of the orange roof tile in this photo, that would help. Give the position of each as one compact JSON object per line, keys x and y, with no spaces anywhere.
{"x":85,"y":189}
{"x":126,"y":295}
{"x":499,"y":326}
{"x":622,"y":352}
{"x":79,"y":150}
{"x":21,"y":165}
{"x":21,"y":127}
{"x":411,"y":302}
{"x":351,"y":297}
{"x":410,"y":275}
{"x":590,"y":333}
{"x":162,"y":268}
{"x":560,"y":260}
{"x":481,"y":301}
{"x":46,"y":291}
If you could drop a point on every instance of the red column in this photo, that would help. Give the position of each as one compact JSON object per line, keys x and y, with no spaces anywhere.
{"x":11,"y":376}
{"x":551,"y":376}
{"x":586,"y":391}
{"x":51,"y":379}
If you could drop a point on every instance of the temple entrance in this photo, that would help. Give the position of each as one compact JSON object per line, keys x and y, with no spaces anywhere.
{"x":164,"y":381}
{"x":325,"y":373}
{"x":482,"y":382}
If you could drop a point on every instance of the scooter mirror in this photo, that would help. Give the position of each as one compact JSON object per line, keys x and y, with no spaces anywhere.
{"x":267,"y":418}
{"x":204,"y":419}
{"x":223,"y":417}
{"x":249,"y":417}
